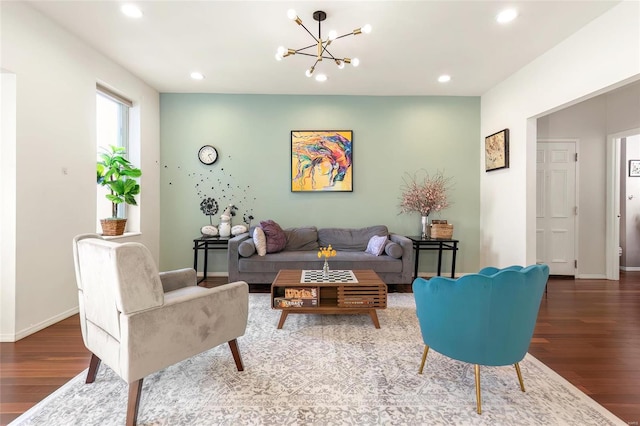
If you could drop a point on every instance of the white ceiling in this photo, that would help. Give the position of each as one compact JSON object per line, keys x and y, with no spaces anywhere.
{"x":233,"y":43}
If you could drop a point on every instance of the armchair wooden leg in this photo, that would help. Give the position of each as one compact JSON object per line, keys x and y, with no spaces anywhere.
{"x":424,"y":358}
{"x":135,"y":389}
{"x":478,"y":397}
{"x":94,"y":364}
{"x":233,"y":344}
{"x":519,"y":376}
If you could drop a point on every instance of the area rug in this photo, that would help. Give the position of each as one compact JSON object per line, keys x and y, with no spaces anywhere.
{"x":326,"y":370}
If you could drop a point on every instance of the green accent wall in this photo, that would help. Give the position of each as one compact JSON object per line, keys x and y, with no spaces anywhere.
{"x":391,"y":136}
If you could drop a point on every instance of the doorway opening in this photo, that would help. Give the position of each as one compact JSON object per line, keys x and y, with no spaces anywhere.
{"x":623,"y":204}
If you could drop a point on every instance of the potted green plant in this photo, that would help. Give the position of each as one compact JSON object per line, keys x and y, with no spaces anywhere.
{"x":116,"y":172}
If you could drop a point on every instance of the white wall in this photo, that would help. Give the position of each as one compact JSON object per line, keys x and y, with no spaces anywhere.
{"x":590,"y":122}
{"x":8,"y":197}
{"x":603,"y":54}
{"x":56,"y":113}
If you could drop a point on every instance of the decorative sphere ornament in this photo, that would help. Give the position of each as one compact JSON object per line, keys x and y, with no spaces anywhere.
{"x":238,"y":229}
{"x":209,"y":231}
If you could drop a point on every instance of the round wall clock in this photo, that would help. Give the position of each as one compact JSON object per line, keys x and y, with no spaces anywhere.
{"x":208,"y":155}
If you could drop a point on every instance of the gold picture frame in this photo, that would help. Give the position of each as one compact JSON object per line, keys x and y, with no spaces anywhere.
{"x":496,"y":151}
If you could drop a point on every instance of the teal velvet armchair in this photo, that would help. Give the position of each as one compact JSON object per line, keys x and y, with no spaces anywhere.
{"x":483,"y":319}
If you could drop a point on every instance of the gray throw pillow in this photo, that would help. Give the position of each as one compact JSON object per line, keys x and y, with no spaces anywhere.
{"x":393,"y":250}
{"x":247,"y":248}
{"x":302,"y":238}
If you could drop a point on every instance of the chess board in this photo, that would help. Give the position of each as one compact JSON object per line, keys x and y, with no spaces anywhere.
{"x":335,"y":276}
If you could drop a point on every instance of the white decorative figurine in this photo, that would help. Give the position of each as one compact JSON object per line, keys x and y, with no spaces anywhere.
{"x":225,"y":221}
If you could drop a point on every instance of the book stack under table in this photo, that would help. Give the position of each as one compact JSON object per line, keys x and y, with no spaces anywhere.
{"x":342,"y":292}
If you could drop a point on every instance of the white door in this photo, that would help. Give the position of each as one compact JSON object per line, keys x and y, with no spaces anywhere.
{"x":556,"y":207}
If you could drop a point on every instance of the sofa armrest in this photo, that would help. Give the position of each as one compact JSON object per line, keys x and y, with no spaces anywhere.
{"x":191,"y":321}
{"x":234,"y":256}
{"x":407,"y":255}
{"x":173,"y":280}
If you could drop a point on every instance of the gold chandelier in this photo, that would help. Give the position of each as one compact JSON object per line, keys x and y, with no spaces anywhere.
{"x":321,"y":45}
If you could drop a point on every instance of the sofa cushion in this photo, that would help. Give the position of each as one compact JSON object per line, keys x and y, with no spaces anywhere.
{"x":376,"y":245}
{"x":247,"y":248}
{"x":276,"y":239}
{"x":349,"y":239}
{"x":260,"y":241}
{"x":274,"y":262}
{"x":304,"y":238}
{"x":393,"y":249}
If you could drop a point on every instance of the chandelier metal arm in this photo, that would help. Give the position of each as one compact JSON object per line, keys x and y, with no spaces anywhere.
{"x":310,"y":33}
{"x":328,"y":53}
{"x":346,"y":35}
{"x":333,"y":58}
{"x":300,"y":51}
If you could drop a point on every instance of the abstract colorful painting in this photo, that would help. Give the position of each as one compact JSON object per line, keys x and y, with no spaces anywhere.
{"x":321,"y":160}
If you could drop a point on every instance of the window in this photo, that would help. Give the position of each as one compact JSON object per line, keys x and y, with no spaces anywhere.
{"x":112,"y":128}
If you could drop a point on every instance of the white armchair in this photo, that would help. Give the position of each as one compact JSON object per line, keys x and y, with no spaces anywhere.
{"x":138,"y":321}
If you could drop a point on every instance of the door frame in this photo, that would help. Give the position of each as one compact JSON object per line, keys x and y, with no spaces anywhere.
{"x":576,"y":217}
{"x":612,"y":213}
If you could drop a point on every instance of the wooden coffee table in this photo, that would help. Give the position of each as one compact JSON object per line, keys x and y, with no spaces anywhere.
{"x":363,"y":297}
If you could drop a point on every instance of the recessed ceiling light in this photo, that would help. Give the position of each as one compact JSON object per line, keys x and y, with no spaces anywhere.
{"x":197,"y":76}
{"x":131,"y":10}
{"x":321,"y":77}
{"x":444,"y":78}
{"x":506,"y":15}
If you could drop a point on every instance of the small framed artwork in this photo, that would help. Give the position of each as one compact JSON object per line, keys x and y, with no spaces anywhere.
{"x":496,"y":151}
{"x":321,"y":161}
{"x":634,"y":168}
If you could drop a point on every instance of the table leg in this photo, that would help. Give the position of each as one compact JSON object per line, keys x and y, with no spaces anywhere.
{"x":416,"y":251}
{"x":283,"y":317}
{"x":453,"y":261}
{"x":206,"y":260}
{"x":374,"y":317}
{"x":439,"y":259}
{"x":195,"y":256}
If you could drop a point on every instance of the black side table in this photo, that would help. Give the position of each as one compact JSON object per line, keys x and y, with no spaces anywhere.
{"x":206,"y":244}
{"x":440,"y":244}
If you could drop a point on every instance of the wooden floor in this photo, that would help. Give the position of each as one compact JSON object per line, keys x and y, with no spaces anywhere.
{"x":588,"y":331}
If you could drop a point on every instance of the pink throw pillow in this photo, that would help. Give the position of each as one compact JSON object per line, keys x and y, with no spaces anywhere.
{"x":276,"y":238}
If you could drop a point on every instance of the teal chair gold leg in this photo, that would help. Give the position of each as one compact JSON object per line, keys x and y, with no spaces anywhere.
{"x":424,"y":358}
{"x":519,"y":376}
{"x":478,"y":398}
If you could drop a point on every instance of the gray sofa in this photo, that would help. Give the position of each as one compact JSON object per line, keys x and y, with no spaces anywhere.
{"x":394,"y":265}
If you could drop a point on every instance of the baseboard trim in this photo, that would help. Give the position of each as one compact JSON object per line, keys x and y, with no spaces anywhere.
{"x":591,"y":277}
{"x":44,"y":324}
{"x":630,"y":268}
{"x":7,"y":338}
{"x":213,"y":274}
